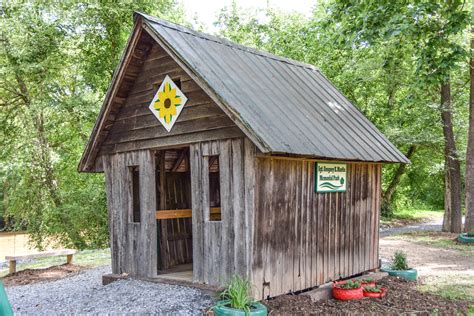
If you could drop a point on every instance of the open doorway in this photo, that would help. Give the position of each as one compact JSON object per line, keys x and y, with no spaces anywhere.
{"x":174,"y":214}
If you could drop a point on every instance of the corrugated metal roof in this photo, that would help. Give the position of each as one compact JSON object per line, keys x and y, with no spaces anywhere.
{"x":289,"y":106}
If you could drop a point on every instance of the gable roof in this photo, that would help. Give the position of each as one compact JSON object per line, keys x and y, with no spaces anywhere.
{"x":283,"y":106}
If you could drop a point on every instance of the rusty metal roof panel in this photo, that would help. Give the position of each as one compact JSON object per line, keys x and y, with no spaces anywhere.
{"x":289,"y":106}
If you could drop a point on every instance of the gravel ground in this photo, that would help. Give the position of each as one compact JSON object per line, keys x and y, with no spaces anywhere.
{"x":85,"y":294}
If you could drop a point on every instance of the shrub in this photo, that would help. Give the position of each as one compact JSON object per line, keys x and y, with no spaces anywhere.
{"x":399,"y":261}
{"x":238,"y":293}
{"x":470,"y":233}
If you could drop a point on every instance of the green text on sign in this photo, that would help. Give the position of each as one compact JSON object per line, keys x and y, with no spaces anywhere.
{"x":330,"y":177}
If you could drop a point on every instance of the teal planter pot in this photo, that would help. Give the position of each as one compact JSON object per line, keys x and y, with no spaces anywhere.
{"x":465,"y":239}
{"x":409,"y":275}
{"x":257,"y":309}
{"x":5,"y":308}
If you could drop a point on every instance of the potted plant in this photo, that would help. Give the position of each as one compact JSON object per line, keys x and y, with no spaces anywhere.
{"x":350,"y":290}
{"x":466,"y":238}
{"x":374,"y":291}
{"x":399,"y":267}
{"x":367,"y":282}
{"x":236,"y":300}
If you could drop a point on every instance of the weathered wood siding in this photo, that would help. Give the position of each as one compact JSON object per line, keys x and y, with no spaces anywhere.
{"x":302,"y":238}
{"x":223,"y":248}
{"x":133,"y":245}
{"x":135,"y":127}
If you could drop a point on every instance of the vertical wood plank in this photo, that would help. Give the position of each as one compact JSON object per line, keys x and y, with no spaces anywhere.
{"x":165,"y":251}
{"x":249,"y":197}
{"x":240,"y":248}
{"x":147,"y":238}
{"x":225,"y":165}
{"x":197,"y":212}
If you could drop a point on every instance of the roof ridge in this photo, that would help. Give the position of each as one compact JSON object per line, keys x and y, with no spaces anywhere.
{"x":224,"y":41}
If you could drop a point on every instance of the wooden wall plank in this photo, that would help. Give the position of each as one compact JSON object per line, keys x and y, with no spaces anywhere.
{"x":135,"y":128}
{"x":327,"y":235}
{"x":134,"y":244}
{"x":238,"y":207}
{"x":222,"y":246}
{"x":249,"y":200}
{"x":173,"y":141}
{"x":195,"y":159}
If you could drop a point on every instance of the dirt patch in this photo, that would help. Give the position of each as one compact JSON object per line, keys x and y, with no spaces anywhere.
{"x":402,"y":297}
{"x":30,"y":276}
{"x":429,"y":260}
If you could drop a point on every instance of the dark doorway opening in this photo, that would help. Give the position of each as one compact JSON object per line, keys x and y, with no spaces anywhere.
{"x":174,"y":214}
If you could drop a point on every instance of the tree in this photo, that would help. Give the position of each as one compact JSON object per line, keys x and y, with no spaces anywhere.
{"x":434,"y":27}
{"x":469,"y":224}
{"x":56,"y":60}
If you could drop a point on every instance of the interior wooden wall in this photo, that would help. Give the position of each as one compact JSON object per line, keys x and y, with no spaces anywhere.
{"x":179,"y":243}
{"x":133,"y":245}
{"x":223,"y":248}
{"x":303,"y":239}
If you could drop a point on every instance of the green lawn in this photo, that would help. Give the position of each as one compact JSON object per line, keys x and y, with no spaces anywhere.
{"x":87,"y":258}
{"x":438,"y":240}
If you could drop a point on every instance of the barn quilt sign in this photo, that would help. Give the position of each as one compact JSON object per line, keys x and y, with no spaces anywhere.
{"x":330,"y":177}
{"x":168,"y":103}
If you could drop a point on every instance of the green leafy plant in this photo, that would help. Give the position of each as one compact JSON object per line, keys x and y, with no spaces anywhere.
{"x":237,"y":294}
{"x":470,"y":233}
{"x":349,"y":285}
{"x":373,"y":289}
{"x":367,"y":280}
{"x":399,"y":261}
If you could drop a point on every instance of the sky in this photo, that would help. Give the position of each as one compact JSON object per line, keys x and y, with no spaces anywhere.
{"x":208,"y":10}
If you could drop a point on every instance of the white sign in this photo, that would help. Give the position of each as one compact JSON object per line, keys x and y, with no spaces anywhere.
{"x":330,"y":177}
{"x":168,"y":103}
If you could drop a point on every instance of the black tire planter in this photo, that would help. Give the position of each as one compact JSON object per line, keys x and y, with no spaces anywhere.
{"x":465,"y":239}
{"x":409,"y":275}
{"x":222,"y":309}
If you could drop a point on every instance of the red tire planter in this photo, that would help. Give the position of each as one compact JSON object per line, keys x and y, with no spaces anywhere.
{"x":346,"y":294}
{"x":382,"y":293}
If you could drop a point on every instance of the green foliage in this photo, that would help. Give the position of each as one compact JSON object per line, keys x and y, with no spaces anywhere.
{"x":57,"y":58}
{"x":351,"y":284}
{"x":373,"y":289}
{"x":56,"y":61}
{"x":399,"y":261}
{"x":238,"y":294}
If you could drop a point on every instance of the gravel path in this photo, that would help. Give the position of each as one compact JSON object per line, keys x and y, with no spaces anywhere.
{"x":433,"y":225}
{"x":85,"y":294}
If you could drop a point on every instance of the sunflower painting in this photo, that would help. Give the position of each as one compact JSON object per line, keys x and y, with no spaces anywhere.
{"x":168,"y":103}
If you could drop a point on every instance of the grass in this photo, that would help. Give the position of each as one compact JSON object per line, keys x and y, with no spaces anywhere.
{"x":411,"y":215}
{"x":460,"y":287}
{"x":436,"y":239}
{"x":87,"y":258}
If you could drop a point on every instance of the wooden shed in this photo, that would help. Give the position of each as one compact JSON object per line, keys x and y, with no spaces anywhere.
{"x":220,"y":159}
